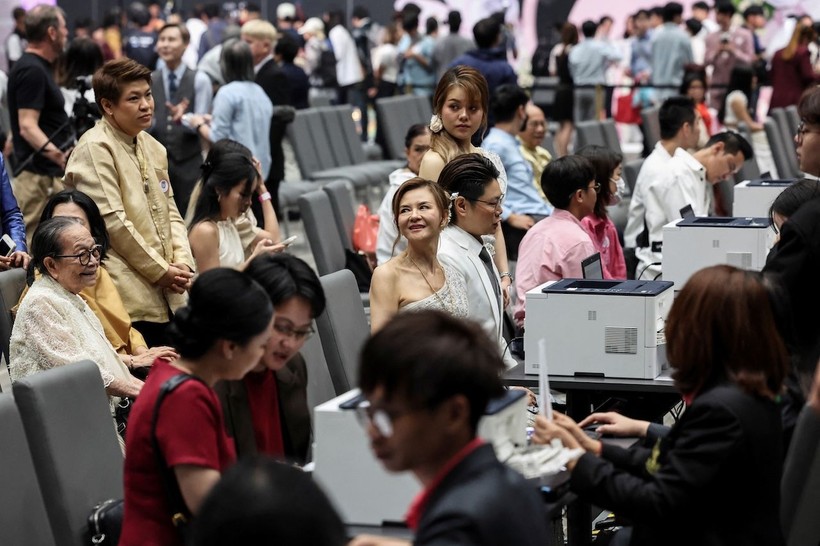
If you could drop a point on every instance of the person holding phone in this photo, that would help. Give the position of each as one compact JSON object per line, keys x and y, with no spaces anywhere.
{"x":13,"y":249}
{"x":230,"y":177}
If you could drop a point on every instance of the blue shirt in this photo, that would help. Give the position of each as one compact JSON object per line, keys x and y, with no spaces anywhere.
{"x":671,"y":52}
{"x":641,"y":60}
{"x":242,"y":112}
{"x":521,"y":197}
{"x":588,"y":61}
{"x":12,"y":218}
{"x":421,"y":78}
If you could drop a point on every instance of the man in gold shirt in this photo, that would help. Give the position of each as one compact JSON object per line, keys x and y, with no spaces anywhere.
{"x":531,"y":137}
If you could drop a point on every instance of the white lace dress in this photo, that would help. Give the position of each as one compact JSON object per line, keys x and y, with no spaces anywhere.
{"x":55,"y":327}
{"x":450,"y":298}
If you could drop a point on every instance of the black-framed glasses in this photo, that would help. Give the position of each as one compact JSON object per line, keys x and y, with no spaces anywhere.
{"x":802,"y":130}
{"x":496,"y":205}
{"x":290,"y":331}
{"x":85,"y":256}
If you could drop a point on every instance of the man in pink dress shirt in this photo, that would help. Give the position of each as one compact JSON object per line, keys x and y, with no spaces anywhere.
{"x":554,"y":248}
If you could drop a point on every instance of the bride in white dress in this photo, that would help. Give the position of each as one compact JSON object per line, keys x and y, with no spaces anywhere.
{"x":414,"y":279}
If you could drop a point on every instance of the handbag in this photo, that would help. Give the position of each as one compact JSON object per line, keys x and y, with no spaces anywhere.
{"x":105,"y":520}
{"x":365,"y":230}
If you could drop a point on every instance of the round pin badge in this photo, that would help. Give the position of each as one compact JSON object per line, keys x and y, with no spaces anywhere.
{"x":163,"y":185}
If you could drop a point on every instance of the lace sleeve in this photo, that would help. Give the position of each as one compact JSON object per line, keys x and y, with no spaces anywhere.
{"x":502,"y":172}
{"x":45,"y":337}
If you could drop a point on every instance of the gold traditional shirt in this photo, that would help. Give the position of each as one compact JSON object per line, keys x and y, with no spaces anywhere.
{"x":128,"y":179}
{"x":538,"y":158}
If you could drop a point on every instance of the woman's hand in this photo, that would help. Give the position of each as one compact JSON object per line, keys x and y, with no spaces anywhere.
{"x":266,"y":246}
{"x":260,"y":188}
{"x":616,"y":424}
{"x":147,"y":358}
{"x":567,"y":423}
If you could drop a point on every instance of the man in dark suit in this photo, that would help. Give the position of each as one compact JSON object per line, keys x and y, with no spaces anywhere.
{"x":424,"y":401}
{"x":261,"y":37}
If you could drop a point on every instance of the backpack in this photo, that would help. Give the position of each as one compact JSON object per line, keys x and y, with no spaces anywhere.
{"x":325,"y":73}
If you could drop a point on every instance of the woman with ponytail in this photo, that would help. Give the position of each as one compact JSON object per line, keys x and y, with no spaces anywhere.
{"x":220,"y":335}
{"x":221,"y":233}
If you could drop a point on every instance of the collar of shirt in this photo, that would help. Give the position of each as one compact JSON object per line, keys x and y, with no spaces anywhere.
{"x":690,"y":161}
{"x":166,"y":77}
{"x":419,"y":504}
{"x":565,"y":215}
{"x":659,"y":148}
{"x":258,"y":67}
{"x":474,"y":246}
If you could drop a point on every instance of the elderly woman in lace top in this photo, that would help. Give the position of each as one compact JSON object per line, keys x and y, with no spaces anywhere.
{"x":54,"y":325}
{"x":414,"y":279}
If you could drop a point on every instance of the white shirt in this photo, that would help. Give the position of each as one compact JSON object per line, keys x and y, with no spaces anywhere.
{"x":652,"y":167}
{"x":387,"y":225}
{"x":348,"y":67}
{"x":459,"y":250}
{"x":682,"y":183}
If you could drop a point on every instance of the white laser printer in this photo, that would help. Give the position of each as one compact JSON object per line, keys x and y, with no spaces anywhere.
{"x":361,"y":489}
{"x":606,"y":328}
{"x":754,"y":197}
{"x":690,"y":244}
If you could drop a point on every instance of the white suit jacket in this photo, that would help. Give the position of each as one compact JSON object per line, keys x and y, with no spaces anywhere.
{"x":460,"y":250}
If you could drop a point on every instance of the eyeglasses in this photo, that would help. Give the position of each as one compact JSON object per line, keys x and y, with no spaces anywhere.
{"x":596,"y":187}
{"x":381,"y":420}
{"x":85,"y":256}
{"x":496,"y":205}
{"x":802,"y":130}
{"x":290,"y":331}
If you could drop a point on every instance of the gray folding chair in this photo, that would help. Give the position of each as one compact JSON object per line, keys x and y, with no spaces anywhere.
{"x":344,"y":115}
{"x":779,"y":153}
{"x":613,"y":141}
{"x":794,"y":119}
{"x":631,"y":170}
{"x":289,"y":193}
{"x":424,"y":109}
{"x":549,"y":143}
{"x":589,"y":132}
{"x":320,"y":385}
{"x":343,"y":203}
{"x":787,"y":134}
{"x":396,"y":115}
{"x":543,"y":91}
{"x":651,"y":126}
{"x":343,"y":328}
{"x":23,"y":518}
{"x":749,"y":170}
{"x":73,"y":444}
{"x":321,"y":231}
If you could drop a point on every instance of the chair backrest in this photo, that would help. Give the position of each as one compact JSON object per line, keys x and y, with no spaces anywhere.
{"x":335,"y":136}
{"x":793,"y":116}
{"x":631,"y":170}
{"x":322,"y":233}
{"x":320,"y":385}
{"x":613,"y":142}
{"x":589,"y":132}
{"x":424,"y":110}
{"x":544,"y":89}
{"x":12,"y":283}
{"x":750,"y":169}
{"x":304,"y":148}
{"x":343,"y":328}
{"x":329,"y":156}
{"x":343,"y":202}
{"x":396,"y":115}
{"x":787,"y":137}
{"x":344,"y":117}
{"x":549,"y":143}
{"x":23,"y":518}
{"x":73,"y":444}
{"x":775,"y":138}
{"x":651,"y":126}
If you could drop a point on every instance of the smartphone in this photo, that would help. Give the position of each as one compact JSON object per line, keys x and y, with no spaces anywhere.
{"x":289,"y":240}
{"x":7,"y":245}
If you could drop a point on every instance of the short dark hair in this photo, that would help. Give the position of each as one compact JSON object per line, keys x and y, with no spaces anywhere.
{"x":693,"y":26}
{"x":467,"y":175}
{"x":486,"y":32}
{"x":754,"y":9}
{"x":671,"y":11}
{"x":793,"y":197}
{"x":456,"y":358}
{"x":603,"y":161}
{"x":506,"y":100}
{"x":674,"y":113}
{"x":360,"y":12}
{"x":183,"y":31}
{"x":18,"y":12}
{"x":431,"y":25}
{"x":96,"y":224}
{"x":589,"y":28}
{"x":82,"y":57}
{"x":604,"y":19}
{"x":47,"y":242}
{"x":642,"y":13}
{"x":732,"y":143}
{"x":227,"y":164}
{"x":236,"y":61}
{"x":39,"y":19}
{"x":722,"y":327}
{"x":223,"y":303}
{"x":284,"y":276}
{"x":108,"y":80}
{"x":212,"y":10}
{"x":701,"y":5}
{"x":725,"y":8}
{"x":410,"y":22}
{"x":454,"y":21}
{"x":563,"y":177}
{"x":657,"y":11}
{"x":286,"y":47}
{"x":809,"y":106}
{"x":262,"y":501}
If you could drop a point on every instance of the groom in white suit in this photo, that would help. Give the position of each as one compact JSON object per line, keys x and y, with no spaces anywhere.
{"x":476,"y":198}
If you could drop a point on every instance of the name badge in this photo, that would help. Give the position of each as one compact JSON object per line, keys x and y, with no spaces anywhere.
{"x":163,"y":185}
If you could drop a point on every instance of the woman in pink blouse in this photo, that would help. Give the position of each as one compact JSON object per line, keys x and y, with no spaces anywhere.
{"x":607,"y":165}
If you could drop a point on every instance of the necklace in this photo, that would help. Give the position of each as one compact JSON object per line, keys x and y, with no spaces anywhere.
{"x":451,"y":307}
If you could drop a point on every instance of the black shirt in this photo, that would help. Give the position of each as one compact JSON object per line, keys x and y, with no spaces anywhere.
{"x":32,"y":86}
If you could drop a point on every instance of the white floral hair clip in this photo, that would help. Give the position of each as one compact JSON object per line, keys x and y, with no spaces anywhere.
{"x":435,"y":123}
{"x":450,"y":207}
